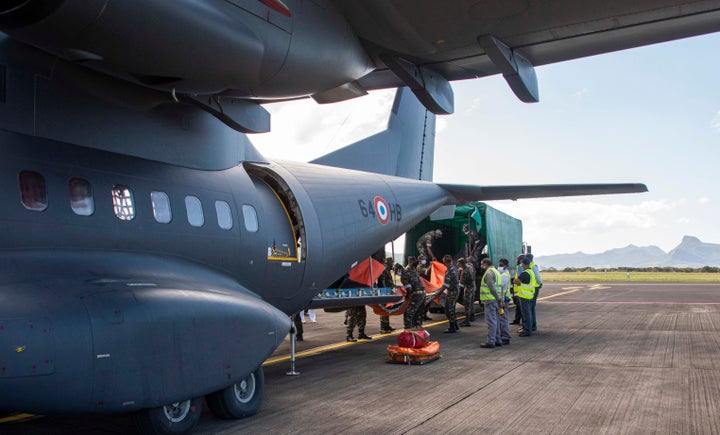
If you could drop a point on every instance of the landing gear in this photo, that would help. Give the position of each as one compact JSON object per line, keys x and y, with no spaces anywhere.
{"x":238,"y":400}
{"x":172,"y":419}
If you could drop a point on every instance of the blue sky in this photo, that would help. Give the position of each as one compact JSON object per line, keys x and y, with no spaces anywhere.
{"x":649,"y":114}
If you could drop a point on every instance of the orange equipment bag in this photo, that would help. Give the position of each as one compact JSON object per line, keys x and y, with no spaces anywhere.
{"x":419,"y":356}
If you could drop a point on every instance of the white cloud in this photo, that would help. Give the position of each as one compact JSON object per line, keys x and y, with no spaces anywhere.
{"x":303,"y":130}
{"x":561,"y":226}
{"x":584,"y":216}
{"x":716,"y":121}
{"x":579,"y":95}
{"x":703,"y":200}
{"x":441,"y":124}
{"x":474,"y":106}
{"x":683,"y":220}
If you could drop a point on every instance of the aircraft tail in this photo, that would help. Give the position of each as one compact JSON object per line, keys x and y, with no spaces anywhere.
{"x":405,"y":149}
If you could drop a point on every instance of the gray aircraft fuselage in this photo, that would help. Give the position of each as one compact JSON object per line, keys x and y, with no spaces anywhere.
{"x":210,"y":298}
{"x":150,"y":255}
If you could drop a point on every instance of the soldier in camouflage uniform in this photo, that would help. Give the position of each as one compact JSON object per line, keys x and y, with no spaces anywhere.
{"x":451,"y":286}
{"x":357,"y":316}
{"x":415,"y":292}
{"x":423,"y":269}
{"x":386,"y":280}
{"x":467,"y":285}
{"x":424,"y":243}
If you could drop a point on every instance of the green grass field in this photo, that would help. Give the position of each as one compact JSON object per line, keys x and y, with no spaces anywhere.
{"x":615,"y":276}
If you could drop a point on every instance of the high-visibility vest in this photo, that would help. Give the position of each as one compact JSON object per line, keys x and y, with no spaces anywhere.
{"x":532,"y":265}
{"x":485,"y":294}
{"x":527,"y":291}
{"x":535,"y":281}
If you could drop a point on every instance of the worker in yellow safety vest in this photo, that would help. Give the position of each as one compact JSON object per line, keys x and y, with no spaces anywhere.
{"x":538,"y":285}
{"x":525,"y":285}
{"x":492,"y":299}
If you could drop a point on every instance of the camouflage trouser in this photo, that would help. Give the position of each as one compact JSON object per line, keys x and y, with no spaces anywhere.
{"x":469,"y":303}
{"x":384,"y":323}
{"x":451,"y":298}
{"x":415,"y":306}
{"x":356,"y":316}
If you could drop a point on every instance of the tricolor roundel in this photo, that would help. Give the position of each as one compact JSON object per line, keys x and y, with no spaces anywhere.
{"x":381,"y":208}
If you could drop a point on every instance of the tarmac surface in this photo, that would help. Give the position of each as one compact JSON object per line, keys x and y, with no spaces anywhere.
{"x":607,"y":358}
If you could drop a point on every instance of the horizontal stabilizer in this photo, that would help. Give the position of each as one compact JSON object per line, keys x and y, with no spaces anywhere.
{"x":468,"y":193}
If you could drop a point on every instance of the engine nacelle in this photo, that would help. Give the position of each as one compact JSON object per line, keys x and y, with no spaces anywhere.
{"x":242,"y":48}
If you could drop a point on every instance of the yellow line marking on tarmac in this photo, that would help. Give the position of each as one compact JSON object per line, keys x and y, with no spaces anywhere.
{"x":574,"y":289}
{"x":16,"y":418}
{"x":329,"y":347}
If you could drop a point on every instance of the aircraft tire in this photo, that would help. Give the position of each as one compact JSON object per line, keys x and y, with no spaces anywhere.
{"x":239,"y":400}
{"x":173,"y":419}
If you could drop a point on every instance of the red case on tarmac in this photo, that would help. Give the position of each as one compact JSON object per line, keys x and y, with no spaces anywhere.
{"x":413,"y":339}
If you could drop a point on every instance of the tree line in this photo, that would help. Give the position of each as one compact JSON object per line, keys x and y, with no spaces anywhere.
{"x":704,"y":269}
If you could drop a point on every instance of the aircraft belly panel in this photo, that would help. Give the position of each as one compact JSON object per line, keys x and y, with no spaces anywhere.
{"x":118,"y":329}
{"x":153,"y":346}
{"x":27,"y":347}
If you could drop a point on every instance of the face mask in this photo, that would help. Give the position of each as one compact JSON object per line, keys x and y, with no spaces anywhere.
{"x":423,"y":262}
{"x":467,"y":232}
{"x":500,"y":268}
{"x":398,"y":273}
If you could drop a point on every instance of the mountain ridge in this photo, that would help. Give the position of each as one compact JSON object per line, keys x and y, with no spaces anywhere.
{"x":691,"y":252}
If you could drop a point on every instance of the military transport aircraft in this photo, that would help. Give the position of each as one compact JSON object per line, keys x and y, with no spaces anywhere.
{"x":151,"y":256}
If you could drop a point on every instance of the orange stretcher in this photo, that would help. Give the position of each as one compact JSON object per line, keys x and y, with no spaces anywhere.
{"x":408,"y":355}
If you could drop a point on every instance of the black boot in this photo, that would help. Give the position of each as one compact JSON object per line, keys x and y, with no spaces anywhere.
{"x":452,"y":329}
{"x":363,"y":336}
{"x":350,"y":338}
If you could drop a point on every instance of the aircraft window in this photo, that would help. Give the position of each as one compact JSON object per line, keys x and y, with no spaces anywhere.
{"x":194,"y":211}
{"x":250,"y":216}
{"x":81,"y":197}
{"x":32,"y":191}
{"x":123,"y":202}
{"x":161,"y":207}
{"x":224,"y":215}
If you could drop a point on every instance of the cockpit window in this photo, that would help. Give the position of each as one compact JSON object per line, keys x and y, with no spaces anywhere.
{"x":123,"y":203}
{"x":194,"y":211}
{"x":224,"y":215}
{"x":161,"y":207}
{"x":32,"y":191}
{"x":81,"y":197}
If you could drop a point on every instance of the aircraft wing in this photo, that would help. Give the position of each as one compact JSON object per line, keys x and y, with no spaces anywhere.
{"x":444,"y":36}
{"x":468,"y":193}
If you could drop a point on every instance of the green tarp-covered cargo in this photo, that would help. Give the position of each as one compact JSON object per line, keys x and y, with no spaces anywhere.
{"x":501,"y":232}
